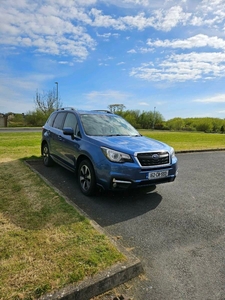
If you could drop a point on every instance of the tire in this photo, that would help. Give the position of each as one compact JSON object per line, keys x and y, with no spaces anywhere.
{"x":86,"y":178}
{"x":47,"y":160}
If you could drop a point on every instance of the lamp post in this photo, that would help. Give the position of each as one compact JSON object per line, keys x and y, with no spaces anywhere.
{"x":57,"y":91}
{"x":153,"y":125}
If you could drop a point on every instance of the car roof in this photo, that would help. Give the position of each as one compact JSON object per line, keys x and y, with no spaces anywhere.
{"x":82,"y":112}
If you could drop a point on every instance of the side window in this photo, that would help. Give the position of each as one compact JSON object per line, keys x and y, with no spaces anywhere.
{"x":71,"y":121}
{"x":58,"y":123}
{"x":51,"y":119}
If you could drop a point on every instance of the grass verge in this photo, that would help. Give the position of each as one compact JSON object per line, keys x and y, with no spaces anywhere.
{"x":45,"y":244}
{"x":184,"y":141}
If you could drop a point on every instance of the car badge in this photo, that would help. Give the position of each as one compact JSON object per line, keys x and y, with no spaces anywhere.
{"x":155,"y":156}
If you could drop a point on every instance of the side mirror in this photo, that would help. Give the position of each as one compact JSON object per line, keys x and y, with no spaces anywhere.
{"x":68,"y":131}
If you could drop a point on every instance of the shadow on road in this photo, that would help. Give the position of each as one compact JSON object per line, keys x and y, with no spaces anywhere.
{"x":106,"y":208}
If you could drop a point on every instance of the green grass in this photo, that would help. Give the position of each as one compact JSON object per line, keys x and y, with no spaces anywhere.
{"x":17,"y":145}
{"x":183,"y":141}
{"x":45,"y":244}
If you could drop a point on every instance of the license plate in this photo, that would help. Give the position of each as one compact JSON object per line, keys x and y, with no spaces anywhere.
{"x":158,"y":174}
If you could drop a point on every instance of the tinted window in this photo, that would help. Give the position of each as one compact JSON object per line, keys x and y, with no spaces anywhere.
{"x":58,"y":123}
{"x":51,"y":119}
{"x":71,"y":121}
{"x":106,"y":125}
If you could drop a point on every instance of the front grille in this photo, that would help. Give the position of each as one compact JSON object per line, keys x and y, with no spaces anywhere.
{"x":151,"y":159}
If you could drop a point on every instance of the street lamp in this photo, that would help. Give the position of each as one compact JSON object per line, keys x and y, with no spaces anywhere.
{"x":153,"y":125}
{"x":57,"y":91}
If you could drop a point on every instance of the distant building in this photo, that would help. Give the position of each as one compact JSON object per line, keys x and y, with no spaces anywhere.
{"x":4,"y":119}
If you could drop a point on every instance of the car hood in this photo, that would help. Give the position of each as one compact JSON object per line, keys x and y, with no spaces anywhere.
{"x":131,"y":144}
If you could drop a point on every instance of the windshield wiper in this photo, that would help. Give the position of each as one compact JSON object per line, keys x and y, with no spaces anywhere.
{"x":123,"y":135}
{"x":117,"y":134}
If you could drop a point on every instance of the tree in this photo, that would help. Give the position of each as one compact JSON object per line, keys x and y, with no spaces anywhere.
{"x":132,"y":116}
{"x":116,"y":107}
{"x":176,"y":124}
{"x":147,"y":120}
{"x":36,"y":118}
{"x":47,"y":102}
{"x":151,"y":119}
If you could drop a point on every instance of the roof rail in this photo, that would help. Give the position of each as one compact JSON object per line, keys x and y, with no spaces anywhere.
{"x":63,"y":108}
{"x":103,"y":110}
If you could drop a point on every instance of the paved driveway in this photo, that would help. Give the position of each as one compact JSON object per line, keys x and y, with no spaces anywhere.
{"x":177,"y":230}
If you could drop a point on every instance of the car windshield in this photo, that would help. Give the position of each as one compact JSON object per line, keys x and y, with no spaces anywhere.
{"x":107,"y":125}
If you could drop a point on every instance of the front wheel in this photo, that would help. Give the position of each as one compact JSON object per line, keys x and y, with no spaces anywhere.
{"x":47,"y":160}
{"x":86,"y":178}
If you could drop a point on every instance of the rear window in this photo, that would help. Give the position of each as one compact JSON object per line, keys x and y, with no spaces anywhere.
{"x":58,"y":123}
{"x":51,"y":119}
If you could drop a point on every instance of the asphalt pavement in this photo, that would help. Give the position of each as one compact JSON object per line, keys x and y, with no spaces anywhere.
{"x":176,"y":230}
{"x":20,"y":129}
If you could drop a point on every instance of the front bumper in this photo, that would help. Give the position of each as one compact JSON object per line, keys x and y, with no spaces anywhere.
{"x":118,"y":184}
{"x":121,"y":177}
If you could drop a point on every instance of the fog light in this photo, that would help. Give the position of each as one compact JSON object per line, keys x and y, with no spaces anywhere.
{"x":114,"y":183}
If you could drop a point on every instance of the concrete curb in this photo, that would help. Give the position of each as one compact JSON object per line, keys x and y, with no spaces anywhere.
{"x":100,"y":283}
{"x":200,"y":150}
{"x":103,"y":281}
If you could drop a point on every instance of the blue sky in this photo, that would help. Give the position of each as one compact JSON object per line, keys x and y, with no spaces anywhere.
{"x":144,"y":54}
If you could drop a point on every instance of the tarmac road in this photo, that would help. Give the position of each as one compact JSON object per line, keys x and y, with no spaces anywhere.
{"x":20,"y":129}
{"x":176,"y":230}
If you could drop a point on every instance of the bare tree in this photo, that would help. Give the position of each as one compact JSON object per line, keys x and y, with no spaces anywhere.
{"x":47,"y":102}
{"x":116,"y":107}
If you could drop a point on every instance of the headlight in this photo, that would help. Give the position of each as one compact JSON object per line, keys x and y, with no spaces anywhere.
{"x":116,"y":156}
{"x":172,"y":152}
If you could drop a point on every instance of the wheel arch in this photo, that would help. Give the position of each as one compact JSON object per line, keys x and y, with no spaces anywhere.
{"x":42,"y":145}
{"x":80,"y":159}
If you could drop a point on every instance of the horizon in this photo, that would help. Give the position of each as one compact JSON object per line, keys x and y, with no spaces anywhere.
{"x":164,"y":120}
{"x":167,"y":56}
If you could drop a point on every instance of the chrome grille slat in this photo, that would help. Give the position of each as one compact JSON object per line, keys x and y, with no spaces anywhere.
{"x":152,"y":159}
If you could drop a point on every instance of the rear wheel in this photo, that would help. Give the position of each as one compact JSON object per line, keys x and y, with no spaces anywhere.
{"x":47,"y":160}
{"x":86,"y":178}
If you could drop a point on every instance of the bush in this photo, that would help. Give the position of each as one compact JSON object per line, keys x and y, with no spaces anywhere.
{"x":36,"y":118}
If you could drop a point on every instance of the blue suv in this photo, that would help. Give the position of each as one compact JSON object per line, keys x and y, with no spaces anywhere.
{"x":105,"y":150}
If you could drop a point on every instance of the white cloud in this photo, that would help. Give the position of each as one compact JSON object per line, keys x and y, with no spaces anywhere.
{"x":160,"y":19}
{"x":16,"y":105}
{"x":171,"y":18}
{"x":59,"y":27}
{"x":102,"y":99}
{"x":197,"y":41}
{"x":146,"y":50}
{"x":105,"y":35}
{"x":143,"y":103}
{"x":209,"y":13}
{"x":108,"y":95}
{"x":138,"y":2}
{"x":17,"y":91}
{"x":49,"y":29}
{"x":183,"y":67}
{"x":165,"y":15}
{"x":100,"y":20}
{"x":220,"y":98}
{"x":132,"y":51}
{"x":69,"y":30}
